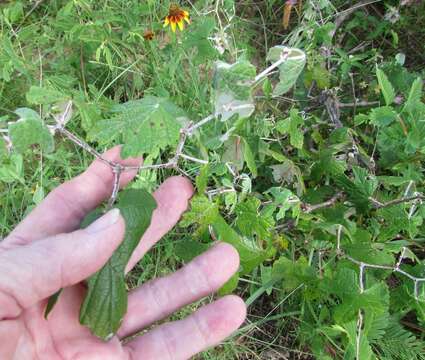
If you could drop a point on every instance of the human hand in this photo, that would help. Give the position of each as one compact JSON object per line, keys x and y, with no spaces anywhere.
{"x":46,"y":252}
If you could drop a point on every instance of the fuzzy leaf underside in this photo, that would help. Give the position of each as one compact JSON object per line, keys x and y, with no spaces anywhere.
{"x":30,"y":130}
{"x":233,"y":89}
{"x":289,"y":70}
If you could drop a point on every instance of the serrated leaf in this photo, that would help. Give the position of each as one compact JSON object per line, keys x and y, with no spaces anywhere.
{"x":199,"y":38}
{"x":249,"y":220}
{"x":289,"y":70}
{"x":233,"y":89}
{"x":358,"y":347}
{"x":386,"y":87}
{"x":414,"y":98}
{"x":375,"y":300}
{"x":202,"y":179}
{"x":146,"y":125}
{"x":203,"y":212}
{"x":30,"y":130}
{"x":105,"y":303}
{"x":359,"y":189}
{"x":291,"y":126}
{"x":40,"y":95}
{"x":383,"y":116}
{"x":251,"y":255}
{"x":294,"y":273}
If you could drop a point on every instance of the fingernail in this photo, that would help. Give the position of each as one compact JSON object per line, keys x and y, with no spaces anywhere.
{"x":104,"y":222}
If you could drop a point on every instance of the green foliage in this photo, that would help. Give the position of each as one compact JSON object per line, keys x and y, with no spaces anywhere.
{"x":289,"y":70}
{"x":291,"y":126}
{"x":157,"y":119}
{"x":386,"y":87}
{"x":105,"y":303}
{"x":30,"y":130}
{"x":305,"y":159}
{"x":232,"y":88}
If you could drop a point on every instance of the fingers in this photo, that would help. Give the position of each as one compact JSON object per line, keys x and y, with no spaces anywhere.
{"x":35,"y":271}
{"x":64,"y":208}
{"x":159,"y":298}
{"x":182,"y":339}
{"x":172,"y":199}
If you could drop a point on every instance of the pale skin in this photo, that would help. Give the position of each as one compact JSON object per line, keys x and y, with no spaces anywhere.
{"x":46,"y":252}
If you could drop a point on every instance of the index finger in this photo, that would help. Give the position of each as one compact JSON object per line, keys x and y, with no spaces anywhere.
{"x":65,"y":207}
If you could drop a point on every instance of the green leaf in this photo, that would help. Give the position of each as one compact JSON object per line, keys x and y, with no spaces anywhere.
{"x":250,"y":221}
{"x":383,"y":116}
{"x":375,"y":300}
{"x":233,"y":89}
{"x":292,"y":126}
{"x":146,"y":125}
{"x":188,"y":249}
{"x":203,"y":212}
{"x":289,"y":70}
{"x":251,"y":255}
{"x":359,"y":189}
{"x":414,"y":99}
{"x":30,"y":130}
{"x":202,"y":179}
{"x":40,"y":95}
{"x":386,"y":87}
{"x":229,"y":286}
{"x":51,"y":303}
{"x":358,"y":347}
{"x":294,"y":273}
{"x":198,"y":38}
{"x":249,"y":158}
{"x":105,"y":303}
{"x":3,"y":149}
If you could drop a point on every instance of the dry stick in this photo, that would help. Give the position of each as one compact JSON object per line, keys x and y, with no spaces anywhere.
{"x":363,"y":266}
{"x":283,"y":58}
{"x":310,"y":208}
{"x":378,"y":205}
{"x":117,"y":171}
{"x":81,"y":143}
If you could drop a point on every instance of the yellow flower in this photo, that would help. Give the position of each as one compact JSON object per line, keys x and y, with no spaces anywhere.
{"x":176,"y":17}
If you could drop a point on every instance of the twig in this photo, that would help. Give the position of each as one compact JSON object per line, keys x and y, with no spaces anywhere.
{"x":264,"y":73}
{"x":117,"y":171}
{"x":187,"y":157}
{"x":84,"y":145}
{"x":379,"y":205}
{"x":307,"y":208}
{"x":396,"y":269}
{"x":359,"y":103}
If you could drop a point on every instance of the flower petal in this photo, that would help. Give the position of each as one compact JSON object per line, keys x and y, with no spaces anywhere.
{"x":166,"y":22}
{"x":173,"y":26}
{"x":181,"y":25}
{"x":186,"y":18}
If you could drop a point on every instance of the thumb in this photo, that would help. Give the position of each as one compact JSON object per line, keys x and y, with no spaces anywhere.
{"x":33,"y":272}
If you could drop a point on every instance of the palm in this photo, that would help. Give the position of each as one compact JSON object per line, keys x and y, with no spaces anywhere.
{"x":40,"y":256}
